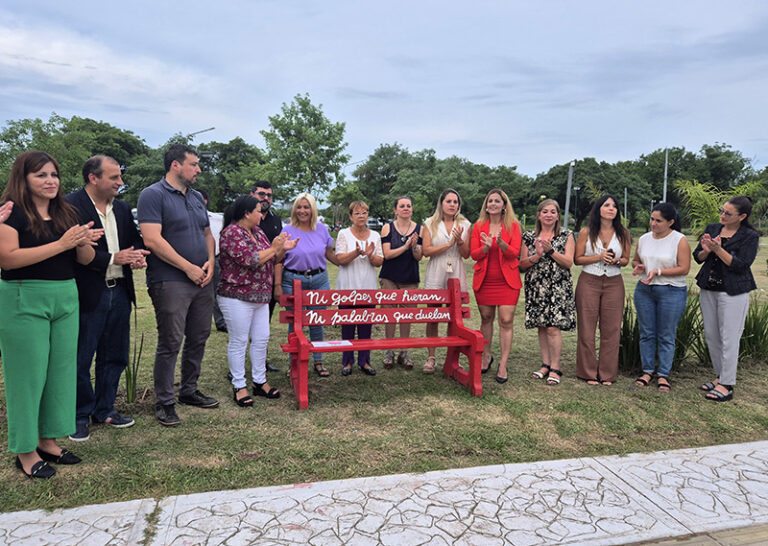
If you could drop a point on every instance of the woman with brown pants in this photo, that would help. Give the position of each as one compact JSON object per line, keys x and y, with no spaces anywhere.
{"x":602,"y":249}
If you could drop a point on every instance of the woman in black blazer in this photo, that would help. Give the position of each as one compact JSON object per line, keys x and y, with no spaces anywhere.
{"x":726,"y":251}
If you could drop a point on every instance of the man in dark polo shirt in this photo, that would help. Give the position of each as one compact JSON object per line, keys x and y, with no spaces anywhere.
{"x":175,"y":227}
{"x":271,"y":225}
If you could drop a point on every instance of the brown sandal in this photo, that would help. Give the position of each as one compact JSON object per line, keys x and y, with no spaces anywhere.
{"x":430,"y":365}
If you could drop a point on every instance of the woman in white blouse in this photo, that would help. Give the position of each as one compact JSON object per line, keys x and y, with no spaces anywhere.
{"x":358,"y":250}
{"x":445,"y":237}
{"x":662,"y":259}
{"x":602,"y":249}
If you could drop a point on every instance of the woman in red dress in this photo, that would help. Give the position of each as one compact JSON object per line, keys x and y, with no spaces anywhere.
{"x":495,"y":247}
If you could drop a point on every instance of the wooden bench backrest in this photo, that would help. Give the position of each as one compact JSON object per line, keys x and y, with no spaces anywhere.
{"x":362,"y":304}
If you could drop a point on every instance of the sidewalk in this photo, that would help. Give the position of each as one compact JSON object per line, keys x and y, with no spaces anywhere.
{"x":601,"y":500}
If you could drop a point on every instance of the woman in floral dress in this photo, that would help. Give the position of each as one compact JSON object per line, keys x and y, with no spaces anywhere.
{"x":546,"y":257}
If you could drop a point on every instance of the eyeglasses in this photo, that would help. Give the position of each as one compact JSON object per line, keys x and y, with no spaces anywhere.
{"x":725,"y":213}
{"x":360,"y":213}
{"x":264,"y":194}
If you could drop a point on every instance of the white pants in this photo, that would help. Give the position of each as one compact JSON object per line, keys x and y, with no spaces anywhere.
{"x":246,"y":319}
{"x":723,"y":318}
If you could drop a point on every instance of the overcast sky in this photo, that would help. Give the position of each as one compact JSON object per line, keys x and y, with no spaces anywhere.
{"x":531,"y":84}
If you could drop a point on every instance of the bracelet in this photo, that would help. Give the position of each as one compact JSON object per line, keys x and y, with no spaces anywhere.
{"x":549,"y":252}
{"x":658,"y":272}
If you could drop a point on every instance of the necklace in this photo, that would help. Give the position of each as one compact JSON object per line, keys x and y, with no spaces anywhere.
{"x":403,"y":238}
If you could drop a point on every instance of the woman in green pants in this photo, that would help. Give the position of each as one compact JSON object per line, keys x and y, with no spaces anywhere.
{"x":40,"y":241}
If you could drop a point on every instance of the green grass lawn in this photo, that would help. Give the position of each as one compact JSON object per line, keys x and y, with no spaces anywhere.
{"x":395,"y":422}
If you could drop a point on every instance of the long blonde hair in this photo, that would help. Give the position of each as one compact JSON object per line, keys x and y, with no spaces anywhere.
{"x":546,"y":203}
{"x":433,"y":222}
{"x":507,"y":212}
{"x":312,"y":205}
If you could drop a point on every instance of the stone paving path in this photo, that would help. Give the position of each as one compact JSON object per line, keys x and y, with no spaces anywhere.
{"x":601,"y":500}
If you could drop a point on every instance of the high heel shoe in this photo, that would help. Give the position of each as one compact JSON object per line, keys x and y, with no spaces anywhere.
{"x":490,"y":365}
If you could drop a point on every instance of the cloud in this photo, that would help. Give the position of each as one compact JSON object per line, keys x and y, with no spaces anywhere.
{"x":64,"y":66}
{"x":352,"y":93}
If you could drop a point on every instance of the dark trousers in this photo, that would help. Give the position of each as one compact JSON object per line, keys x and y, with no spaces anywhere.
{"x":105,"y":332}
{"x":218,"y":317}
{"x":183,"y":314}
{"x":363,"y":332}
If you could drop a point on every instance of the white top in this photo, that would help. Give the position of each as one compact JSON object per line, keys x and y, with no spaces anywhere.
{"x":600,"y":268}
{"x":660,"y":254}
{"x":359,"y":274}
{"x":109,"y":223}
{"x":216,"y":221}
{"x":449,"y":264}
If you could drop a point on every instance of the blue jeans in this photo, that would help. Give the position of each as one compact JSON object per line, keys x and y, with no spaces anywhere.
{"x":105,"y":332}
{"x":315,"y":282}
{"x":659,"y":308}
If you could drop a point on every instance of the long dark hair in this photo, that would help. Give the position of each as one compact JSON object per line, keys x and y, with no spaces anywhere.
{"x":594,"y":222}
{"x":668,"y":212}
{"x":63,"y":215}
{"x":237,"y":210}
{"x":743,"y":204}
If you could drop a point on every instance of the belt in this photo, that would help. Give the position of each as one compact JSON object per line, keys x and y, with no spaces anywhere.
{"x":111,"y":283}
{"x":307,"y":273}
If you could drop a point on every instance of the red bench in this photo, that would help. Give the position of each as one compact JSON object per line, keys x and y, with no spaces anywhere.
{"x":460,"y":339}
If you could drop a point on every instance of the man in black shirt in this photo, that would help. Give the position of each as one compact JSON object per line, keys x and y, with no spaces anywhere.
{"x":271,"y":225}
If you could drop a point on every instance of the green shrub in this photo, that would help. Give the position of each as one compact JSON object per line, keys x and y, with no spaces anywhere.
{"x":754,"y":340}
{"x":690,"y":333}
{"x":629,"y":342}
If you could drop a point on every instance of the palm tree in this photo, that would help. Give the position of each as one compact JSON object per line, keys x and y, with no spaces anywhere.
{"x":703,"y":201}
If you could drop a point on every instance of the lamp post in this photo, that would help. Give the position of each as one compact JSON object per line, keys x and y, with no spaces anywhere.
{"x":190,"y":135}
{"x":568,"y":193}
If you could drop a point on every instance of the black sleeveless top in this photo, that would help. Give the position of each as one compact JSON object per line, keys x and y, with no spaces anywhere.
{"x":403,"y":269}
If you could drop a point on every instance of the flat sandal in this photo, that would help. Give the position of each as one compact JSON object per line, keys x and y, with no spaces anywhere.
{"x":554,"y":377}
{"x":538,"y":375}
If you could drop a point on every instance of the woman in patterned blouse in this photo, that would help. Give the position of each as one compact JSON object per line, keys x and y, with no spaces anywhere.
{"x":245,"y":288}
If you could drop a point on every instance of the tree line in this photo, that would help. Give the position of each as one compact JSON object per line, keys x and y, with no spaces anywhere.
{"x":305,"y":151}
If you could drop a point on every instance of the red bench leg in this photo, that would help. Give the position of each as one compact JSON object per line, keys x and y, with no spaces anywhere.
{"x":300,"y":381}
{"x":451,"y":368}
{"x":475,"y":364}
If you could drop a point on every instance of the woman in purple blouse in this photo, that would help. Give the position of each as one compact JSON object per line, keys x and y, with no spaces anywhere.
{"x":245,"y":287}
{"x":307,"y":261}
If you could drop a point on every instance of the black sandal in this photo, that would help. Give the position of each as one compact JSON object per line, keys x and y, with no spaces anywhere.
{"x":717,"y":396}
{"x":640,"y":382}
{"x":244,"y":402}
{"x":663,"y":387}
{"x":320,"y":370}
{"x":708,"y":386}
{"x":258,"y":390}
{"x":368,"y":369}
